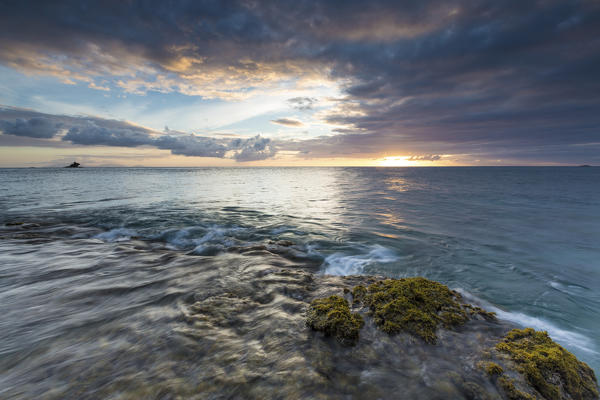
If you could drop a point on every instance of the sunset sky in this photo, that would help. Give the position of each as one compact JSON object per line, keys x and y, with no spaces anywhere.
{"x":250,"y":83}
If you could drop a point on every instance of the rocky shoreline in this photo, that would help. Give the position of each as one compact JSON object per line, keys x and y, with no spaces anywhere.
{"x":341,"y":337}
{"x":254,"y":323}
{"x":523,"y":364}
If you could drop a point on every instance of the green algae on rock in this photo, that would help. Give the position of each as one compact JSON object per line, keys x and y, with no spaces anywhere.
{"x":413,"y":305}
{"x":511,"y":391}
{"x":493,"y":369}
{"x":358,"y":294}
{"x":553,"y":371}
{"x":473,"y":310}
{"x":332,"y":316}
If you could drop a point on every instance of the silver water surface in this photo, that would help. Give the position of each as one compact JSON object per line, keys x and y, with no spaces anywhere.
{"x":119,"y":248}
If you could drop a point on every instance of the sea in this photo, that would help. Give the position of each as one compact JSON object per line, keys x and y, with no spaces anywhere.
{"x":95,"y":263}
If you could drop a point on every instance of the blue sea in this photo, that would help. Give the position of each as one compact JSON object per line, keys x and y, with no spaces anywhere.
{"x":82,"y":248}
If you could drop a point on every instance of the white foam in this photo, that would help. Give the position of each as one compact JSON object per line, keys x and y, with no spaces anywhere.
{"x":181,"y":238}
{"x":343,"y":264}
{"x":116,"y":235}
{"x":562,"y":336}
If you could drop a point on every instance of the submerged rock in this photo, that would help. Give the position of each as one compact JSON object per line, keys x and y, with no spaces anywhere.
{"x":235,"y":327}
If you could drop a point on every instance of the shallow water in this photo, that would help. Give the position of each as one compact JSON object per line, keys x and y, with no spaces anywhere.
{"x":108,"y":261}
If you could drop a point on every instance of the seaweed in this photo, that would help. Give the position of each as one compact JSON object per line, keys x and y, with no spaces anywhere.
{"x":510,"y":390}
{"x":493,"y":369}
{"x":549,"y":368}
{"x":413,"y":305}
{"x":474,"y":310}
{"x":358,"y":294}
{"x":332,"y":316}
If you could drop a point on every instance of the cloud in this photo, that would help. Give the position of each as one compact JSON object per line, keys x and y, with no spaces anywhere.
{"x":95,"y":131}
{"x":422,"y":77}
{"x":253,"y":149}
{"x":302,"y":103}
{"x":191,"y":146}
{"x":429,"y":157}
{"x":36,"y":127}
{"x":289,"y":122}
{"x":93,"y":134}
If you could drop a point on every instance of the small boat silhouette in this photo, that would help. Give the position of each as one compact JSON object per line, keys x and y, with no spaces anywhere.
{"x":74,"y":165}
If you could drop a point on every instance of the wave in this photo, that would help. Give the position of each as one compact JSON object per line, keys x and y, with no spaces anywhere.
{"x":565,"y":337}
{"x":344,"y":264}
{"x":117,"y":235}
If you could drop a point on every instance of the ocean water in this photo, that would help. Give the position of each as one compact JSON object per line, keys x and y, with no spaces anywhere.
{"x":85,"y":249}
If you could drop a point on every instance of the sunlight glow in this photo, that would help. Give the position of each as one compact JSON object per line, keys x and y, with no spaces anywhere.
{"x":397,"y":161}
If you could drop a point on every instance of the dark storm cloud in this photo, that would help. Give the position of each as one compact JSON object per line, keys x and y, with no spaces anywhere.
{"x":425,"y":77}
{"x":504,"y":80}
{"x":94,"y":131}
{"x":34,"y":127}
{"x":92,"y":134}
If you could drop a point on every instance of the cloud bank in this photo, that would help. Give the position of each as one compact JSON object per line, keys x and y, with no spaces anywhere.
{"x":35,"y":127}
{"x":94,"y":131}
{"x":491,"y":79}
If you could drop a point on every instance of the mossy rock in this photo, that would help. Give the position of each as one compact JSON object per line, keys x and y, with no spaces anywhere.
{"x":358,"y":294}
{"x":413,"y":305}
{"x":474,"y":310}
{"x":553,"y":371}
{"x":493,"y":369}
{"x":511,"y":391}
{"x":332,"y":316}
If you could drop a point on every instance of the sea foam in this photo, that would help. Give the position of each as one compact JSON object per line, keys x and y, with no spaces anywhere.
{"x":344,"y":264}
{"x":565,"y":337}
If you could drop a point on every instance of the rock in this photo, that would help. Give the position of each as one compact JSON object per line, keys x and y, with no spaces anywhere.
{"x":533,"y":365}
{"x":548,"y":367}
{"x":413,"y":305}
{"x":332,"y":316}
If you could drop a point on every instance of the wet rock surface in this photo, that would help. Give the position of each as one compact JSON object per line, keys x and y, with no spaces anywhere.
{"x":265,"y":347}
{"x":190,"y":327}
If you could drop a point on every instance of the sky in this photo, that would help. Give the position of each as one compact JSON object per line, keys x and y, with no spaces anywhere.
{"x":294,"y":83}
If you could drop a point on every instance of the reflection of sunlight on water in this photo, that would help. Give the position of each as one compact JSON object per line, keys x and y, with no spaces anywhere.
{"x":311,"y":193}
{"x":386,"y":218}
{"x":397,"y":184}
{"x":386,"y":235}
{"x":483,"y":228}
